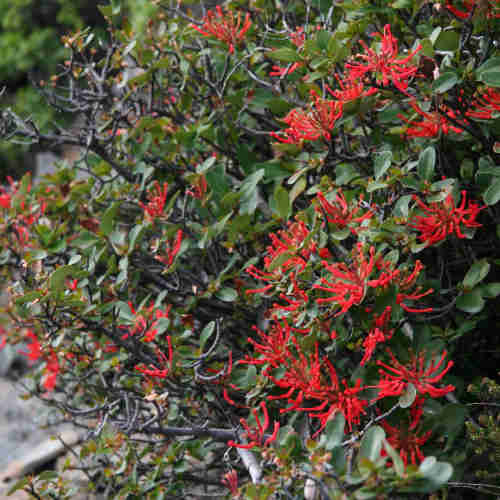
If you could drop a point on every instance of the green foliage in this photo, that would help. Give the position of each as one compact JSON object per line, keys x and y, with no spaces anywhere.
{"x":277,"y":274}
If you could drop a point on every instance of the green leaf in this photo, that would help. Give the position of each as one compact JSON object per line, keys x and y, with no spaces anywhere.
{"x":408,"y":397}
{"x":371,"y":444}
{"x":248,"y":191}
{"x":227,"y":294}
{"x":447,"y":41}
{"x":398,"y":463}
{"x":477,"y":272}
{"x":471,"y":302}
{"x":282,"y":201}
{"x":490,"y":290}
{"x":382,"y":163}
{"x":58,"y":277}
{"x":109,"y":219}
{"x":445,"y":82}
{"x":206,"y":333}
{"x":18,"y":485}
{"x":334,"y":432}
{"x":492,"y":195}
{"x":426,"y":163}
{"x":345,"y":173}
{"x":374,"y":186}
{"x":401,"y":206}
{"x":489,"y":65}
{"x":285,"y":54}
{"x":436,"y":474}
{"x":491,"y":77}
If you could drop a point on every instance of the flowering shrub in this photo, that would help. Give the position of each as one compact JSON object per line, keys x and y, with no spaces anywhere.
{"x":278,"y":273}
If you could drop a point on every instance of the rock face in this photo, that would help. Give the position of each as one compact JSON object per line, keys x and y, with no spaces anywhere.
{"x":27,"y":447}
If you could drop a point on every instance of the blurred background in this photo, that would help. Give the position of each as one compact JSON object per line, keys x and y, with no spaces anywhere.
{"x":31,"y":50}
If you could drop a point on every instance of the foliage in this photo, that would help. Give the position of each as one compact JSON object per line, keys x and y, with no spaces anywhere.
{"x":30,"y":43}
{"x":276,"y":273}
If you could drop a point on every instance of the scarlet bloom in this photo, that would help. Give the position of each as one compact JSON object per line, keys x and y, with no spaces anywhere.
{"x":350,"y":90}
{"x":405,"y":438}
{"x":165,"y":363}
{"x":378,"y":333}
{"x":312,"y":124}
{"x":423,"y":375}
{"x":157,"y":199}
{"x":339,"y":213}
{"x":225,"y":27}
{"x":256,"y":436}
{"x":52,"y":368}
{"x":485,"y":105}
{"x":298,"y":38}
{"x":171,"y":250}
{"x":492,"y":8}
{"x":433,"y":123}
{"x":34,"y":348}
{"x":349,"y":283}
{"x":230,"y":481}
{"x":384,"y":64}
{"x":444,"y":218}
{"x":292,"y":242}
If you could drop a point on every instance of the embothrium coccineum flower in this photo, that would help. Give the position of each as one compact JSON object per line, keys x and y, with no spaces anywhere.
{"x":471,"y":6}
{"x":384,"y":64}
{"x":157,"y":198}
{"x":256,"y":436}
{"x":433,"y":123}
{"x":339,"y":212}
{"x":316,"y":122}
{"x":225,"y":26}
{"x":421,"y":373}
{"x":406,"y":437}
{"x":444,"y":218}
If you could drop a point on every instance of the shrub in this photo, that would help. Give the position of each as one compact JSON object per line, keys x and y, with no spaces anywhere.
{"x":275,"y":276}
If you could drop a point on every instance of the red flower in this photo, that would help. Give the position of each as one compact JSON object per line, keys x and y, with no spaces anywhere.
{"x":444,"y":218}
{"x":485,"y":105}
{"x":318,"y":121}
{"x":350,"y":90}
{"x":471,"y":5}
{"x":34,"y":348}
{"x":156,"y":204}
{"x":405,"y":283}
{"x":397,"y":377}
{"x":171,"y":250}
{"x":283,"y":71}
{"x":384,"y":64}
{"x":291,"y":242}
{"x":230,"y":481}
{"x":52,"y":367}
{"x":199,"y":188}
{"x":378,"y":333}
{"x":224,"y":26}
{"x":405,"y":438}
{"x":339,"y":213}
{"x":256,"y":435}
{"x":433,"y":123}
{"x":349,"y":282}
{"x":164,"y":362}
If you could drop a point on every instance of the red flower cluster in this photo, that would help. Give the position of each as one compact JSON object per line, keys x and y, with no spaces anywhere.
{"x":485,"y":105}
{"x":166,"y":364}
{"x":171,"y":250}
{"x":339,"y":213}
{"x":156,"y":204}
{"x":405,"y":438}
{"x":377,"y":334}
{"x":384,"y":64}
{"x":318,"y":121}
{"x":230,"y":481}
{"x":256,"y":435}
{"x":422,"y":375}
{"x":444,"y":218}
{"x":142,"y":321}
{"x":492,"y":8}
{"x":225,"y":27}
{"x":291,"y":243}
{"x":433,"y":123}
